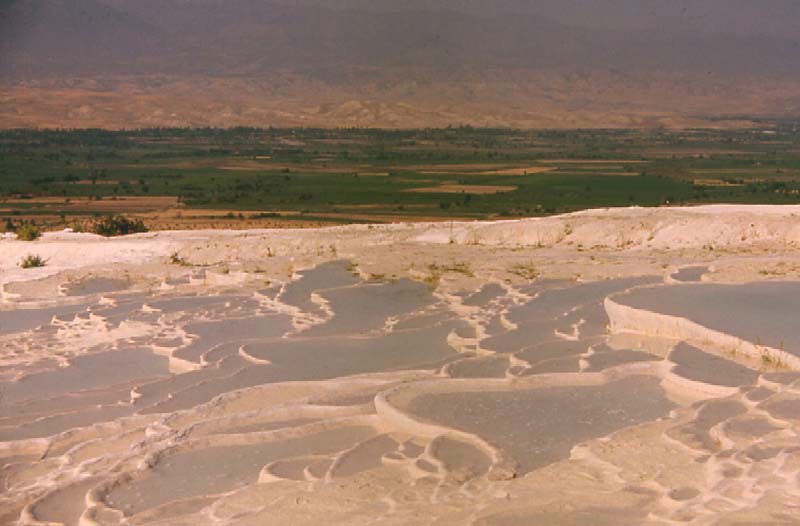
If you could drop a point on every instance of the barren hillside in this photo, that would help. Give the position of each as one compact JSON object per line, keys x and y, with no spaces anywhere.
{"x":115,"y":63}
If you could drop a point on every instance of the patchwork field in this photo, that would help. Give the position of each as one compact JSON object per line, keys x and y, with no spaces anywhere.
{"x":248,"y":177}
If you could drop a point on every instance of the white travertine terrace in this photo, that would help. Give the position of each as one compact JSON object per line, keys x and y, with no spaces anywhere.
{"x":563,"y":371}
{"x":628,"y":319}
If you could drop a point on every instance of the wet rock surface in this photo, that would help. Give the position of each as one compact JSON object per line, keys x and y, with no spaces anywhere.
{"x":335,"y":397}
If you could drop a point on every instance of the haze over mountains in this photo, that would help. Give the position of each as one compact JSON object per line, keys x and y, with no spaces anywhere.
{"x":126,"y":63}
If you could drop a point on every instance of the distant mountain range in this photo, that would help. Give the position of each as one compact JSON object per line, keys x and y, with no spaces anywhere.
{"x":131,"y":63}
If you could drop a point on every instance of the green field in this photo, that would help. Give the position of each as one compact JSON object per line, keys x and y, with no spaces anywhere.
{"x":356,"y":175}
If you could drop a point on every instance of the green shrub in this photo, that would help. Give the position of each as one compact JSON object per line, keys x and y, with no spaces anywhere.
{"x":32,"y":261}
{"x":28,"y":232}
{"x":118,"y":225}
{"x":176,"y":259}
{"x":525,"y":271}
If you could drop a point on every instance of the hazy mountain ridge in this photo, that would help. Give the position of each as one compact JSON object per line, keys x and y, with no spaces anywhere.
{"x":512,"y":63}
{"x":259,"y":37}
